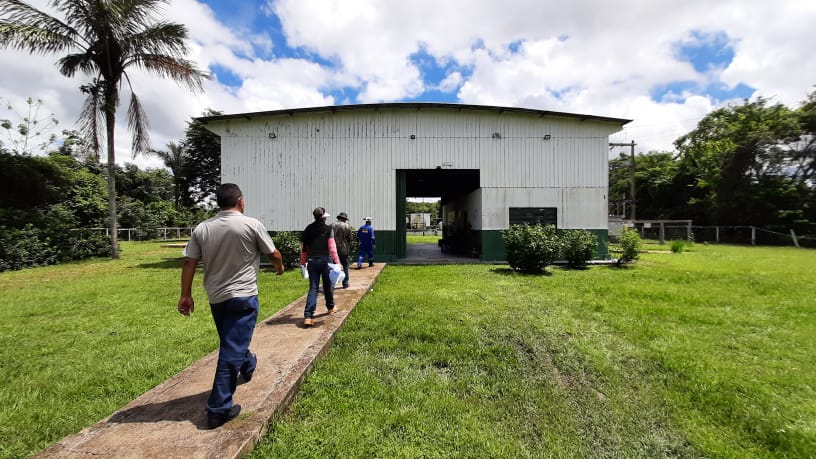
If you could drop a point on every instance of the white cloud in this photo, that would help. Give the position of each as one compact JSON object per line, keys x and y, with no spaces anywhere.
{"x":584,"y":56}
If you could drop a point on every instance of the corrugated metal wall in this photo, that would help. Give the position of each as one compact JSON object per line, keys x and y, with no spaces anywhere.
{"x":346,"y":161}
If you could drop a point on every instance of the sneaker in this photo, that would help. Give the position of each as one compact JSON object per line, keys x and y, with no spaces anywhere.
{"x":333,"y":311}
{"x":217,"y":420}
{"x":345,"y":285}
{"x":308,"y":322}
{"x":370,"y":265}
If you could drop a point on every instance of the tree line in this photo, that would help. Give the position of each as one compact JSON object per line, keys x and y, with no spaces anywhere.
{"x":751,"y":164}
{"x":48,"y":204}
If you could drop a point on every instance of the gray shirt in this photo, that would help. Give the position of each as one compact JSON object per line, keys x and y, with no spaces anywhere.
{"x":230,"y":246}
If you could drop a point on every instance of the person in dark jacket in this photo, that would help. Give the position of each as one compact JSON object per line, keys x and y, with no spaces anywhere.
{"x":316,"y":251}
{"x":343,"y":234}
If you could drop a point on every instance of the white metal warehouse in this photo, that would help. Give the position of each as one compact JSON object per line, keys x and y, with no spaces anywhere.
{"x":491,"y":166}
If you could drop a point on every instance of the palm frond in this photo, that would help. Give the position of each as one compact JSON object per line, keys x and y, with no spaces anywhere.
{"x":27,"y":28}
{"x":92,"y":118}
{"x":138,"y":125}
{"x":179,"y":70}
{"x":161,"y":38}
{"x":71,"y":63}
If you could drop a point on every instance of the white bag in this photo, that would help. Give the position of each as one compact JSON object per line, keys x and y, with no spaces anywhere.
{"x":304,"y":272}
{"x":336,"y":274}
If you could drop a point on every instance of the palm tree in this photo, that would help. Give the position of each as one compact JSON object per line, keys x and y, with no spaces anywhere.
{"x":175,"y":159}
{"x":102,"y":39}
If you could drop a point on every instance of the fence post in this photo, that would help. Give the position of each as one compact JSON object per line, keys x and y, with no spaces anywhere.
{"x":662,"y":234}
{"x":753,"y":235}
{"x":795,"y":241}
{"x":688,"y":231}
{"x":717,"y":234}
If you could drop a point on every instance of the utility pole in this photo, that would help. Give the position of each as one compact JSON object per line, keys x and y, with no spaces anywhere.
{"x":632,"y":174}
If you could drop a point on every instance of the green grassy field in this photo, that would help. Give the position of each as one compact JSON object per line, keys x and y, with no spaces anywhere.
{"x":80,"y":340}
{"x":419,"y":239}
{"x":704,"y":353}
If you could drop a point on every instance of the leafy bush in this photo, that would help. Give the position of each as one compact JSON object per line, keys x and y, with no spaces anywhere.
{"x":83,"y":243}
{"x":30,"y":247}
{"x":677,"y":246}
{"x":578,"y":247}
{"x":25,"y":248}
{"x":288,"y":242}
{"x":530,"y":248}
{"x":629,"y":241}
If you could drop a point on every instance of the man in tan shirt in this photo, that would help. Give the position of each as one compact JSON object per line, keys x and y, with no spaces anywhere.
{"x":230,"y":246}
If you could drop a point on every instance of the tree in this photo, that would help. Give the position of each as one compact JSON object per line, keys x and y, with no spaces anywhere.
{"x":656,"y":189}
{"x":175,"y":159}
{"x":103,"y":39}
{"x":733,"y":158}
{"x":203,"y":148}
{"x":33,"y":130}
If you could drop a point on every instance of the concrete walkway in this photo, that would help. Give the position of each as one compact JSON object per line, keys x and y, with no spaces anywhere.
{"x":169,"y":421}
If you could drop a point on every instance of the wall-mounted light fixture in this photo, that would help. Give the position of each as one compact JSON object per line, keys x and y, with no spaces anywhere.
{"x":413,"y":137}
{"x":272,"y":135}
{"x":547,"y":137}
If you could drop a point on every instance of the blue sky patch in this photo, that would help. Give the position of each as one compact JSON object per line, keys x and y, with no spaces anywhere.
{"x":432,"y":72}
{"x":706,"y":51}
{"x":226,"y":76}
{"x":676,"y":91}
{"x":515,"y":46}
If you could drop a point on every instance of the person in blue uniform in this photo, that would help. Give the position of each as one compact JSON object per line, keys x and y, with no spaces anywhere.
{"x":367,"y":243}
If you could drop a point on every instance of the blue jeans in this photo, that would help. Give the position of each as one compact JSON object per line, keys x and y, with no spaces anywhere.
{"x":318,"y":268}
{"x":344,"y":261}
{"x":235,"y":321}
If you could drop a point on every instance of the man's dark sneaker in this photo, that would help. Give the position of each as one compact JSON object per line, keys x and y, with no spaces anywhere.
{"x":217,"y":420}
{"x":345,"y":285}
{"x":370,"y":265}
{"x":247,"y":375}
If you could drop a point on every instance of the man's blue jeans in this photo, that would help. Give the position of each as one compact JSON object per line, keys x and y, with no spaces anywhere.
{"x":344,"y":261}
{"x":235,"y":321}
{"x":318,"y":268}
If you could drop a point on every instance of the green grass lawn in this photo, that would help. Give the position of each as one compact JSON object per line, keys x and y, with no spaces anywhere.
{"x":80,"y":340}
{"x":709,"y":352}
{"x":419,"y":239}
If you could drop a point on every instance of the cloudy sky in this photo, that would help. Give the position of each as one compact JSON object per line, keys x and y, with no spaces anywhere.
{"x":662,"y":63}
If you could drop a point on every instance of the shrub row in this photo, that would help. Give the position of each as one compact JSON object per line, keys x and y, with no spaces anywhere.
{"x":530,"y":248}
{"x":30,"y":246}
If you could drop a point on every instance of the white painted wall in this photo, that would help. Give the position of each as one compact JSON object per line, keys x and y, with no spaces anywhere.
{"x":346,"y":161}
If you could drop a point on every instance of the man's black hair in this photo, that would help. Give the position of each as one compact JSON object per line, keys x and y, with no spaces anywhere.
{"x":227,"y":195}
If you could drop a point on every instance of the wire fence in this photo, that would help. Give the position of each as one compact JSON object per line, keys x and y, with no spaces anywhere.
{"x":746,"y":235}
{"x":141,"y":234}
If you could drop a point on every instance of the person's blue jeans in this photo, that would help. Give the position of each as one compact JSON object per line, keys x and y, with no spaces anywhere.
{"x":366,"y":250}
{"x":344,"y":261}
{"x":235,"y":321}
{"x":318,"y":268}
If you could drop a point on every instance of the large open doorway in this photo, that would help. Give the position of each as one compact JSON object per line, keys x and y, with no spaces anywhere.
{"x":449,"y":186}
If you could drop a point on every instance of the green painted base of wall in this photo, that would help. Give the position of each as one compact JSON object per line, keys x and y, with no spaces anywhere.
{"x":489,"y":244}
{"x":492,"y":245}
{"x":386,"y":249}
